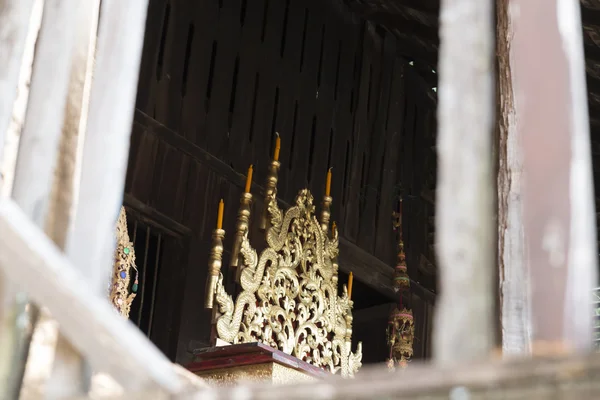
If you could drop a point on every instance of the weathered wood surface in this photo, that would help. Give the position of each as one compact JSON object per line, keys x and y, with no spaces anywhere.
{"x":558,"y":205}
{"x":15,"y":29}
{"x":514,"y":283}
{"x":527,"y":379}
{"x":68,"y":376}
{"x":38,"y":152}
{"x":14,"y":25}
{"x":464,"y":212}
{"x":111,"y":344}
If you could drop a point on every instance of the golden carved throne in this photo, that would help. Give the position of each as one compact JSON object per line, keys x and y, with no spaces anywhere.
{"x":288,"y":294}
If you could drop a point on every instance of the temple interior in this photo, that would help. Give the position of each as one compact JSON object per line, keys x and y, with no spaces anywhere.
{"x":219,"y":79}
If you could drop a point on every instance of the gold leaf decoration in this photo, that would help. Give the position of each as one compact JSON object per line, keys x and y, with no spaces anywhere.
{"x":289,"y":298}
{"x":123,"y":266}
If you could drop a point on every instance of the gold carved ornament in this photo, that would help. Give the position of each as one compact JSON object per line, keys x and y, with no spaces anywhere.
{"x":401,"y":326}
{"x":289,"y":296}
{"x":120,"y":296}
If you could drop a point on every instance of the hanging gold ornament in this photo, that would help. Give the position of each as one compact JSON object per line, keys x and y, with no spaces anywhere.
{"x":401,"y":326}
{"x":120,"y":296}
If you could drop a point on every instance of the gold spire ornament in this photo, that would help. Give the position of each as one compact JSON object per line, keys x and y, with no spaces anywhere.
{"x":288,"y":296}
{"x":120,"y":296}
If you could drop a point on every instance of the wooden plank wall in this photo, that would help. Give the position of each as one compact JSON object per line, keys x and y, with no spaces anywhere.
{"x":219,"y":77}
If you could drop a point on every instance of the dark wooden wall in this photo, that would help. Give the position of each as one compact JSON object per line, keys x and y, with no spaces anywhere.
{"x":219,"y":77}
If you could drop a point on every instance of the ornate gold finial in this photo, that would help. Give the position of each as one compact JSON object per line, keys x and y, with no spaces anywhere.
{"x":124,"y":262}
{"x":325,"y":210}
{"x":243,"y":221}
{"x":270,"y":191}
{"x":288,"y":299}
{"x":401,"y":327}
{"x":214,"y":266}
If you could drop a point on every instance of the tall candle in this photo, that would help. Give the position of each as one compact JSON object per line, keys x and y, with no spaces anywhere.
{"x":350,"y":280}
{"x":220,"y":215}
{"x":277,"y":148}
{"x":249,"y":179}
{"x":328,"y":183}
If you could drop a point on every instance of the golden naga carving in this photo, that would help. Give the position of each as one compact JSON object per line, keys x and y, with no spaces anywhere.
{"x":289,"y":297}
{"x":401,"y":326}
{"x":120,"y":296}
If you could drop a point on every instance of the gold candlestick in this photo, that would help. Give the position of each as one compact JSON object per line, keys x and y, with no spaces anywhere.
{"x":271,"y":191}
{"x":241,"y":227}
{"x":214,"y":267}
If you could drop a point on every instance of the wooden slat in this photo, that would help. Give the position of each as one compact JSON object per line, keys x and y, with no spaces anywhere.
{"x":106,"y":145}
{"x":150,"y":53}
{"x":14,"y":24}
{"x":376,"y":194}
{"x":66,"y":378}
{"x":465,"y":215}
{"x":112,"y":344}
{"x":195,"y":102}
{"x":240,"y":145}
{"x":228,"y":41}
{"x":38,"y":150}
{"x":307,"y":68}
{"x":385,"y":247}
{"x":359,"y":138}
{"x":91,"y":244}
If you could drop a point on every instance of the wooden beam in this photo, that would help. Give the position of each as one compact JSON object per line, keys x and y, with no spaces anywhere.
{"x":464,"y":210}
{"x":526,"y":379}
{"x":111,"y":343}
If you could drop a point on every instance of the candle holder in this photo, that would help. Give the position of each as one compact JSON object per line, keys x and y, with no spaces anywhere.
{"x":326,"y":213}
{"x":241,"y":228}
{"x":270,"y":191}
{"x":334,"y":260}
{"x":214,"y":267}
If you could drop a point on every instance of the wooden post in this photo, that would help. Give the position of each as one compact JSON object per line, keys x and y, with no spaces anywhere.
{"x":463,"y":328}
{"x":91,"y":243}
{"x":514,"y":285}
{"x":67,"y":367}
{"x":15,"y":18}
{"x":38,"y":149}
{"x":558,"y":204}
{"x":14,"y":24}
